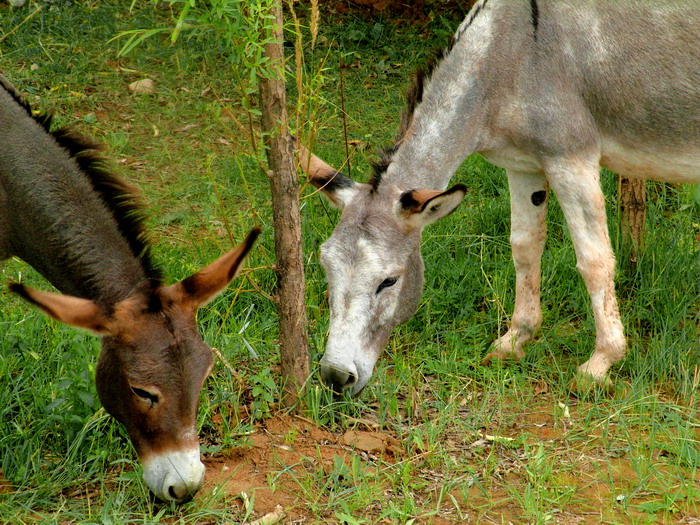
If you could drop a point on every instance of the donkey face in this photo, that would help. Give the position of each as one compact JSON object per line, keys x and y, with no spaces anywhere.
{"x":152,"y":366}
{"x":149,"y":376}
{"x":373,"y":267}
{"x":375,"y":276}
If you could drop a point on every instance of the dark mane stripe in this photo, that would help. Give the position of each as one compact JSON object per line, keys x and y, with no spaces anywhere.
{"x":534,"y":16}
{"x":380,"y":166}
{"x":472,"y":16}
{"x":121,"y":199}
{"x":414,"y":96}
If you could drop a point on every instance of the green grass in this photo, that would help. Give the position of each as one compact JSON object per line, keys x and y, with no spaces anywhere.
{"x":468,"y":443}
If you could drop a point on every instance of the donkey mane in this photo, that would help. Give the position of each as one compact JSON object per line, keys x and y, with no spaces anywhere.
{"x":415,"y":91}
{"x":121,"y":199}
{"x":414,"y":96}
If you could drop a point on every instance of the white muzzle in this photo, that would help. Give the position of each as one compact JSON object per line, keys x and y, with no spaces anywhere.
{"x":174,"y":476}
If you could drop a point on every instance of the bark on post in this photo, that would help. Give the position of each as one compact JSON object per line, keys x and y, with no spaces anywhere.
{"x":632,"y":197}
{"x":290,"y":292}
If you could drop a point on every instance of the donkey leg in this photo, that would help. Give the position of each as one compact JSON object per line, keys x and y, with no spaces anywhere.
{"x":577,"y":186}
{"x":528,"y":231}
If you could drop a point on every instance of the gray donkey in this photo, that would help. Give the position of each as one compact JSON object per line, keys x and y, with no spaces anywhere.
{"x":549,"y":90}
{"x":81,"y":228}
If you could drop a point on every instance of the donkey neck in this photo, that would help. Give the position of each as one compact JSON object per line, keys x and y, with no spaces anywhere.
{"x":54,"y":219}
{"x":444,"y":126}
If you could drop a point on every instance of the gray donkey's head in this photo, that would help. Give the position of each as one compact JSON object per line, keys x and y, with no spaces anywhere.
{"x":373,"y":266}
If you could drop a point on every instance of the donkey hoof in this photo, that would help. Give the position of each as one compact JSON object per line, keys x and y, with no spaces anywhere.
{"x":584,"y":384}
{"x":498,"y":354}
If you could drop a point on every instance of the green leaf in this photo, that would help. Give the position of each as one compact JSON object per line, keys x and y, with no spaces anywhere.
{"x":56,"y":402}
{"x":136,"y":36}
{"x":87,"y":398}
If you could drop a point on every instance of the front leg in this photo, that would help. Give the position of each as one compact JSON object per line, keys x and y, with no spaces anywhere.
{"x":576,"y":183}
{"x":528,"y":232}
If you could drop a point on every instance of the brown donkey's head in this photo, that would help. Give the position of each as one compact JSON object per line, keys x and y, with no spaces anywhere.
{"x":152,"y":366}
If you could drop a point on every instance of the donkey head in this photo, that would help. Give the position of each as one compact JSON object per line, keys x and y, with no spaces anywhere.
{"x":373,"y":266}
{"x":152,"y":366}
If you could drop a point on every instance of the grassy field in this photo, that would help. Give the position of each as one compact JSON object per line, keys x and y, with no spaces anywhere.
{"x":435,"y":437}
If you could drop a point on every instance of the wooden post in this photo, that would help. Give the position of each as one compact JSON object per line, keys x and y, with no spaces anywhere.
{"x":632,"y":198}
{"x":290,"y":294}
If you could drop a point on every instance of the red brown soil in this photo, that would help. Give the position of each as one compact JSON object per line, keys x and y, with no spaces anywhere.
{"x":286,"y":449}
{"x":5,"y":486}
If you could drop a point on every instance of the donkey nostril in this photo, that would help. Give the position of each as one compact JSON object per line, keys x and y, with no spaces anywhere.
{"x":180,"y":498}
{"x":338,"y":380}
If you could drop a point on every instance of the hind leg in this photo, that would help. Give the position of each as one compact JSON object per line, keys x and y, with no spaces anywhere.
{"x":528,"y":232}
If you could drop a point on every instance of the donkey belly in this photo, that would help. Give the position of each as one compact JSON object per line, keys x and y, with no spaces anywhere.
{"x":647,"y":163}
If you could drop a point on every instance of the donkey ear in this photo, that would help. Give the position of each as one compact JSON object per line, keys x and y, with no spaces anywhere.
{"x":418,"y":208}
{"x":75,"y":311}
{"x":200,"y":288}
{"x":339,"y":188}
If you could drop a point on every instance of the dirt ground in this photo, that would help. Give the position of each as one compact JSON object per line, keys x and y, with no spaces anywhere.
{"x":295,"y":456}
{"x":285,"y":449}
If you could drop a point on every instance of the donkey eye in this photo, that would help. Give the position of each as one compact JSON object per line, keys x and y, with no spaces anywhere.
{"x":145,"y":395}
{"x":386,"y":283}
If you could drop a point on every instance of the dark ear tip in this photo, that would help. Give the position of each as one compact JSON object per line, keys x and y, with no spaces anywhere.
{"x":407,"y":201}
{"x":458,"y":187}
{"x":21,"y":290}
{"x":17,"y":288}
{"x":252,"y":236}
{"x":250,"y":240}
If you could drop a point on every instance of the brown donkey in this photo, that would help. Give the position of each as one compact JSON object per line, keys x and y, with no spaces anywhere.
{"x":80,"y":227}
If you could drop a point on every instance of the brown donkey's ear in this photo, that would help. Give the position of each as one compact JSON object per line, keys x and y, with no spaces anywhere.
{"x":200,"y":288}
{"x":75,"y":311}
{"x":339,"y":188}
{"x":418,"y":208}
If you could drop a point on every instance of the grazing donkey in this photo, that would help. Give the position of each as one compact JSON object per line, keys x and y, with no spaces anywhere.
{"x":79,"y":226}
{"x":549,"y":90}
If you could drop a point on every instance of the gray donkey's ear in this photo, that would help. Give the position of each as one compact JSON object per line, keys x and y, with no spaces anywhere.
{"x":418,"y":208}
{"x":336,"y":186}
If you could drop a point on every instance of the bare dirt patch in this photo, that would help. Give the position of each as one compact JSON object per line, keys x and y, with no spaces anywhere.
{"x":289,"y":461}
{"x":5,"y":487}
{"x":286,"y":458}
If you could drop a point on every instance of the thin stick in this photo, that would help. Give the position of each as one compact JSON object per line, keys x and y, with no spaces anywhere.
{"x":235,"y":374}
{"x":27,"y":19}
{"x":271,"y":518}
{"x":345,"y":124}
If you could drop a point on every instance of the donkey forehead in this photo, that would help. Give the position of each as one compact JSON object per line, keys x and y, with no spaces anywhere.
{"x":372,"y":240}
{"x":161,"y":358}
{"x":175,"y":333}
{"x":168,"y":334}
{"x":360,"y":252}
{"x":368,"y":237}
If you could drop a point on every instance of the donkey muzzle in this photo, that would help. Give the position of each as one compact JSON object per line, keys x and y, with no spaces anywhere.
{"x":338,"y":380}
{"x":174,"y":476}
